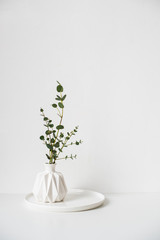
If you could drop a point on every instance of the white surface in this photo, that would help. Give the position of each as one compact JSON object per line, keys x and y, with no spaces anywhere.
{"x":106,"y":54}
{"x":75,"y":200}
{"x":127,"y":217}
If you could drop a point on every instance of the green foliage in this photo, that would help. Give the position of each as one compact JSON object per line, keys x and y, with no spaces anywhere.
{"x":59,"y":127}
{"x":61,"y":135}
{"x":55,"y":140}
{"x":48,"y":132}
{"x":48,"y":156}
{"x":56,"y":145}
{"x":42,"y":137}
{"x":60,"y":105}
{"x":59,"y":88}
{"x":71,"y":157}
{"x":49,"y":146}
{"x":58,"y":98}
{"x":54,"y":105}
{"x":63,"y":98}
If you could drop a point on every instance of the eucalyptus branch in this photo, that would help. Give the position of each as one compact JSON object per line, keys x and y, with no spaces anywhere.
{"x":55,"y":140}
{"x":67,"y":157}
{"x":74,"y":143}
{"x":66,"y":140}
{"x":61,"y":117}
{"x":47,"y":122}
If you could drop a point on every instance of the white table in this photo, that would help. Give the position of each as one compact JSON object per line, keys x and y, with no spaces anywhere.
{"x":122,"y":217}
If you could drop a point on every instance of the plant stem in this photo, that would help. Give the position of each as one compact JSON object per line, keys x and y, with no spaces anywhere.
{"x":70,"y":135}
{"x":50,"y":151}
{"x":63,"y":158}
{"x":59,"y":123}
{"x":60,"y":158}
{"x":59,"y":111}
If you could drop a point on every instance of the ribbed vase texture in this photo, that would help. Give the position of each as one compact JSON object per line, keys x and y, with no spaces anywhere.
{"x":49,"y":185}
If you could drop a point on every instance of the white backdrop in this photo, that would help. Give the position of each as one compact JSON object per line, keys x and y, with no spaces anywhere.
{"x":106,"y":55}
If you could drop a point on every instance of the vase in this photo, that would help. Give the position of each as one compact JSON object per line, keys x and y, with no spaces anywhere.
{"x":49,"y":185}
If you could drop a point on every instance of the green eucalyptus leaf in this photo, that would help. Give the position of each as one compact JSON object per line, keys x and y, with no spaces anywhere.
{"x":61,"y":135}
{"x":58,"y":97}
{"x":42,"y":137}
{"x":54,"y":133}
{"x":63,"y":98}
{"x":59,"y":127}
{"x":49,"y":146}
{"x":56,"y":145}
{"x":41,"y":110}
{"x":45,"y":118}
{"x":51,"y":125}
{"x":77,"y":143}
{"x":54,"y":105}
{"x":47,"y":156}
{"x":59,"y":88}
{"x":60,"y":105}
{"x":48,"y":132}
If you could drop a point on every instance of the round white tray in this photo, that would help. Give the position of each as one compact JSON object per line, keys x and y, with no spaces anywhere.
{"x":75,"y":200}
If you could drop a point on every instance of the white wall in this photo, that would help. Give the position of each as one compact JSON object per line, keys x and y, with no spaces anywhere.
{"x":107,"y":55}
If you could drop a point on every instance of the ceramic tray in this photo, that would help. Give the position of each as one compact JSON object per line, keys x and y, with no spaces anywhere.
{"x":75,"y":200}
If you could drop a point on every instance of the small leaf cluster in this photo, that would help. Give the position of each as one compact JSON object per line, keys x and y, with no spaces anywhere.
{"x":54,"y":137}
{"x":71,"y":156}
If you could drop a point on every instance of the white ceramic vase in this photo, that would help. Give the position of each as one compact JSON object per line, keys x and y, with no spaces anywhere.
{"x":49,"y":185}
